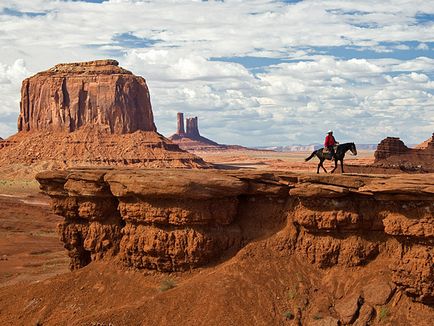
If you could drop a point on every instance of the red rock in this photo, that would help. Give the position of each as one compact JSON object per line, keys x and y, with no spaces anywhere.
{"x":378,"y":292}
{"x":391,"y":152}
{"x":180,"y":122}
{"x":365,"y":315}
{"x":71,"y":96}
{"x":390,"y":146}
{"x":429,"y":143}
{"x":191,"y":139}
{"x":89,"y":114}
{"x":348,"y":308}
{"x":173,"y":220}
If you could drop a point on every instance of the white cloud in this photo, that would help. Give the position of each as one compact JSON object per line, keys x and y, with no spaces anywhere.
{"x":11,"y":77}
{"x":364,"y":99}
{"x":422,"y":46}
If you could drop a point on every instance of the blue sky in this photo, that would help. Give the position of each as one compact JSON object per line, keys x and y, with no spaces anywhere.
{"x":258,"y":72}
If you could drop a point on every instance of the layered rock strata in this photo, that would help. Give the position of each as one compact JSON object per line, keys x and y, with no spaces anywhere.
{"x":89,"y":113}
{"x":191,"y":139}
{"x":392,"y":152}
{"x":427,"y":144}
{"x":390,"y":146}
{"x":172,"y":220}
{"x":70,"y":96}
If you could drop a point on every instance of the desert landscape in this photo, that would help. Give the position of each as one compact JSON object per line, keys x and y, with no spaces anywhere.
{"x":219,"y":235}
{"x":196,"y":196}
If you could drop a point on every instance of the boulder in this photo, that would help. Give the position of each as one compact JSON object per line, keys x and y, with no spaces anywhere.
{"x":348,"y":308}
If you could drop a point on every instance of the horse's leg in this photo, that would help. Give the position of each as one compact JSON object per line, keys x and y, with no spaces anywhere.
{"x":321,"y":162}
{"x":342,"y":166}
{"x":336,"y":165}
{"x":317,"y":169}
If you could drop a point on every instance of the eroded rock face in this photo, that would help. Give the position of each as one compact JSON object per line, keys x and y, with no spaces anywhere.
{"x":190,"y":139}
{"x":171,"y":220}
{"x":89,"y":114}
{"x":70,"y":96}
{"x":390,"y":146}
{"x":392,"y":152}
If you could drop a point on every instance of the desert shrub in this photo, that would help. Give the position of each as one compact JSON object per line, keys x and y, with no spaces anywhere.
{"x":317,"y":317}
{"x":167,"y":284}
{"x":383,"y":313}
{"x":292,"y":293}
{"x":288,"y":315}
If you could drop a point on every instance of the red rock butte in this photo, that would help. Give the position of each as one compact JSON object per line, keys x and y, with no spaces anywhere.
{"x":190,"y":138}
{"x":392,"y":152}
{"x":89,"y":113}
{"x":70,"y":96}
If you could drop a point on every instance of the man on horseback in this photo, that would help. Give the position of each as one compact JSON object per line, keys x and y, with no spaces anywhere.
{"x":338,"y":155}
{"x":330,"y":143}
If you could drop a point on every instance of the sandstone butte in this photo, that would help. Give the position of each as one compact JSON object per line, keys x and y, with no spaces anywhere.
{"x":245,"y":248}
{"x":190,"y":139}
{"x":392,"y":152}
{"x":89,"y":113}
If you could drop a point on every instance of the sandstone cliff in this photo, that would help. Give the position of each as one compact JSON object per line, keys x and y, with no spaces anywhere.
{"x":235,"y":248}
{"x":390,"y":146}
{"x":70,"y":96}
{"x":392,"y":152}
{"x":84,"y":114}
{"x":429,"y":143}
{"x":172,"y":220}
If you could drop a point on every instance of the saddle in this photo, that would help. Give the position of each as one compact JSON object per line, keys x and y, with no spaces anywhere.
{"x":327,"y":153}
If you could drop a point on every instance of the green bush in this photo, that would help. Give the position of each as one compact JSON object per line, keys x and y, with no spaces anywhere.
{"x":383,"y":313}
{"x":288,"y":315}
{"x":167,"y":284}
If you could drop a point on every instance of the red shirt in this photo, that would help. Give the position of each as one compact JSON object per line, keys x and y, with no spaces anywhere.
{"x":329,"y":141}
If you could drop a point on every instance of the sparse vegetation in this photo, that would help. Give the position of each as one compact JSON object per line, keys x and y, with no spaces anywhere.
{"x":167,"y":284}
{"x":293,"y":292}
{"x":288,"y":315}
{"x":383,"y":313}
{"x":317,"y":317}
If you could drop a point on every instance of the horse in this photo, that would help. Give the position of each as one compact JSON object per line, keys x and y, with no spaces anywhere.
{"x":339,"y":156}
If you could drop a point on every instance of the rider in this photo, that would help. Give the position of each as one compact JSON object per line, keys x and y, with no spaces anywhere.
{"x":330,"y":142}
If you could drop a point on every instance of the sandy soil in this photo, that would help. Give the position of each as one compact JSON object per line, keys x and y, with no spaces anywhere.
{"x":30,"y":249}
{"x":291,"y":161}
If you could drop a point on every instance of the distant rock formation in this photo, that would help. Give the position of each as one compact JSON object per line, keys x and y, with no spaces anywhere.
{"x":190,"y":139}
{"x":390,"y":146}
{"x":70,"y":96}
{"x":89,"y":113}
{"x":392,"y":152}
{"x":180,"y":130}
{"x":427,"y":144}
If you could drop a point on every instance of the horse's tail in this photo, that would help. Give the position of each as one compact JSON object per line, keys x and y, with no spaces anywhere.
{"x":311,"y":155}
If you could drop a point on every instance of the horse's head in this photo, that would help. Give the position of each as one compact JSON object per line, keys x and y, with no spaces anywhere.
{"x":353,"y":149}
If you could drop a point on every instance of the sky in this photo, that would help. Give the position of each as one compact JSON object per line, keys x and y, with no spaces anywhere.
{"x":256,"y":73}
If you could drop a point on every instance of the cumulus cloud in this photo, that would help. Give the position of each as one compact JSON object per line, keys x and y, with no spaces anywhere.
{"x":317,"y":80}
{"x":10,"y":84}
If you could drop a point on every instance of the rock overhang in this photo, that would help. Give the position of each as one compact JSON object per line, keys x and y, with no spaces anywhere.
{"x":175,"y":220}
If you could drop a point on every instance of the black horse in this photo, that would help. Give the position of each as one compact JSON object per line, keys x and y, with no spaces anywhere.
{"x":339,"y":156}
